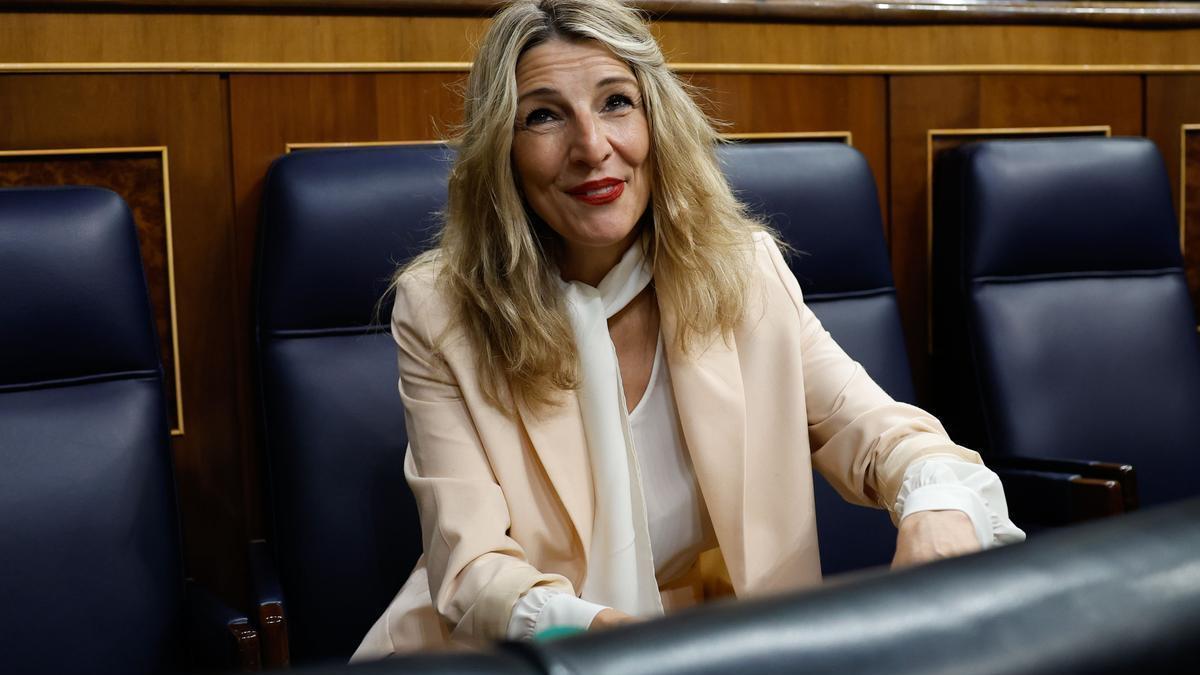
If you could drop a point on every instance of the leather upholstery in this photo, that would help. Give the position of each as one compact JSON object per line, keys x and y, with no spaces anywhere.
{"x":1120,"y":595}
{"x":335,"y":224}
{"x":1115,"y":596}
{"x":1062,"y":322}
{"x":90,"y":575}
{"x":821,"y":199}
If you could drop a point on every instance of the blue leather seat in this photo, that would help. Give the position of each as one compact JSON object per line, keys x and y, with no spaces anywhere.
{"x":90,"y":575}
{"x":1062,"y":322}
{"x":335,"y":224}
{"x":821,"y":198}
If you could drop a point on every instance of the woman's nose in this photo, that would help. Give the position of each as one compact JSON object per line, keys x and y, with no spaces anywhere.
{"x":589,"y":142}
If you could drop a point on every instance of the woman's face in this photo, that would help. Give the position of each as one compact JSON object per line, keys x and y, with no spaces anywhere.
{"x":581,"y":151}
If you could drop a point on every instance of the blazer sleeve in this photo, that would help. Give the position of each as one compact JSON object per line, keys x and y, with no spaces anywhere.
{"x":476,"y":571}
{"x":862,"y":440}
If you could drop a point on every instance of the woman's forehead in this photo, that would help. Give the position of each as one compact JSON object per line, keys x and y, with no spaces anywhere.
{"x":556,"y":61}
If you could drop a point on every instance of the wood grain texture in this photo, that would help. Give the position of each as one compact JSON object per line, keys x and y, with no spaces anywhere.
{"x":920,"y":103}
{"x":1171,"y":103}
{"x":37,"y":37}
{"x":1190,"y":185}
{"x":187,"y":114}
{"x":791,"y":103}
{"x":871,"y":11}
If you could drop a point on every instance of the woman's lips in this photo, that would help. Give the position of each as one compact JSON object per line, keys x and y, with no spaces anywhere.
{"x":598,"y":192}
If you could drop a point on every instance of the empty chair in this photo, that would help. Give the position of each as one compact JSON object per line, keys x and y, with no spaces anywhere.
{"x":821,"y":198}
{"x":1062,"y":323}
{"x":91,"y":579}
{"x":335,"y":223}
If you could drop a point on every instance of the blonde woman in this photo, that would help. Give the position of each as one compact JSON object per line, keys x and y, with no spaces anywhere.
{"x":614,"y":392}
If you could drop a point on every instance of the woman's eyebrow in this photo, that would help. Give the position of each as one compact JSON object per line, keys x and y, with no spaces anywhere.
{"x":616,"y":79}
{"x":551,"y":91}
{"x":540,"y":91}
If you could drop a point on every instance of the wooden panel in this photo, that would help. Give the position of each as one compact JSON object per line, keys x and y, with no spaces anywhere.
{"x":268,"y":112}
{"x":708,"y":42}
{"x":850,"y":11}
{"x":921,"y":103}
{"x":29,"y":37}
{"x":1173,"y":106}
{"x":309,"y":38}
{"x":788,"y":103}
{"x":187,"y":114}
{"x":140,"y":177}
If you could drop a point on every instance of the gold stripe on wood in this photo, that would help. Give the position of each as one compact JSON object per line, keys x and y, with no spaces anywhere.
{"x":178,"y":429}
{"x":931,"y":135}
{"x":1184,"y":130}
{"x":843,"y":136}
{"x":288,"y":147}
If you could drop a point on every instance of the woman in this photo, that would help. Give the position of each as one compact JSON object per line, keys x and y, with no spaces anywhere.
{"x":614,"y":393}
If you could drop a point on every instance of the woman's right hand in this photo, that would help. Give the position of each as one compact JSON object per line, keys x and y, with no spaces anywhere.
{"x":608,"y":618}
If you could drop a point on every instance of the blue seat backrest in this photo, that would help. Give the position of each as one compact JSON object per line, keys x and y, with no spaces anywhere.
{"x":821,"y":198}
{"x":335,"y":225}
{"x":1061,"y":305}
{"x":90,"y":578}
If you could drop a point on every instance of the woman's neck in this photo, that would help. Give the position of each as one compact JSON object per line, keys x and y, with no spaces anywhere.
{"x":590,"y":264}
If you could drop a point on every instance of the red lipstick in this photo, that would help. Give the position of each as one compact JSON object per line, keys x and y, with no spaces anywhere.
{"x":597,"y":192}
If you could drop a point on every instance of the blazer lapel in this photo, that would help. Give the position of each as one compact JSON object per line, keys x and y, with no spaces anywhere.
{"x":712,"y":414}
{"x":559,"y":442}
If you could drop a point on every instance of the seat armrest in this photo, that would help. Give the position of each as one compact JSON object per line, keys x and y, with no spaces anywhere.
{"x":269,"y":606}
{"x":219,"y":636}
{"x":1045,"y":498}
{"x":1122,"y":473}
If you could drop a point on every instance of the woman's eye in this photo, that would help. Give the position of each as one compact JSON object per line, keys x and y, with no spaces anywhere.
{"x":539,"y":116}
{"x":617,"y":102}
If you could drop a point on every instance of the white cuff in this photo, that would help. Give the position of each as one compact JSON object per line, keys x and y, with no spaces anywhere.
{"x":945,"y":482}
{"x":542,"y":608}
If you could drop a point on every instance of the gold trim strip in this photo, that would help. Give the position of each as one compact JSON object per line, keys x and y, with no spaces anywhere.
{"x":845,"y":136}
{"x":930,"y":134}
{"x":288,"y":147}
{"x":1184,"y":129}
{"x":464,"y":66}
{"x":166,"y":185}
{"x":82,"y":151}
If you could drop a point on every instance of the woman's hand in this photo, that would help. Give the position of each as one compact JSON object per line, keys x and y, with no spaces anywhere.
{"x":609,"y":618}
{"x":930,"y":535}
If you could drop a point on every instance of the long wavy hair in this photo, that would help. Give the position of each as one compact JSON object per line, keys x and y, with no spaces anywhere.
{"x":496,"y":262}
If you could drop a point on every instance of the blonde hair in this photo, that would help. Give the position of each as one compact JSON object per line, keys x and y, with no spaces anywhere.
{"x":495,"y":263}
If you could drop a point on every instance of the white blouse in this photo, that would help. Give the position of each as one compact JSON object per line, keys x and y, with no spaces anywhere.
{"x":680,"y":528}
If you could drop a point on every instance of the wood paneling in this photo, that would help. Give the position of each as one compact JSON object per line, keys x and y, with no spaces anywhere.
{"x":269,"y":111}
{"x":234,"y":38}
{"x":1171,"y":103}
{"x":919,"y":104}
{"x":187,"y":114}
{"x":854,"y":103}
{"x":845,"y":11}
{"x":328,"y":39}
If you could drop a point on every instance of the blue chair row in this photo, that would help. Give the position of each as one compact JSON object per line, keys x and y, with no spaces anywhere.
{"x":335,"y":224}
{"x":91,"y":579}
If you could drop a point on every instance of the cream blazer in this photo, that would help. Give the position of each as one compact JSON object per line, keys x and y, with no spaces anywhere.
{"x":506,"y":503}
